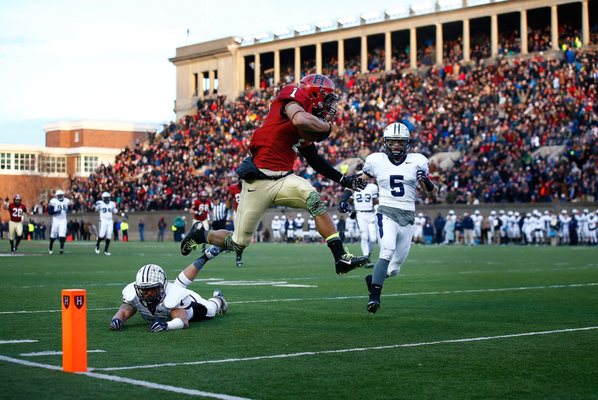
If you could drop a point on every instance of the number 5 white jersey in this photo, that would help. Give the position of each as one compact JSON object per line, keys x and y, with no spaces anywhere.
{"x":397,"y":182}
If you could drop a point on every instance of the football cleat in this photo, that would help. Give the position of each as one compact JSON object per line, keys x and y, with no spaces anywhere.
{"x":239,"y":262}
{"x":49,"y":251}
{"x":349,"y":262}
{"x":97,"y":250}
{"x":373,"y":306}
{"x":61,"y":252}
{"x":106,"y":253}
{"x":193,"y":238}
{"x":224,"y":307}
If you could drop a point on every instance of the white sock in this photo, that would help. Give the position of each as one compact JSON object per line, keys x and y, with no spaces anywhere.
{"x":182,"y":280}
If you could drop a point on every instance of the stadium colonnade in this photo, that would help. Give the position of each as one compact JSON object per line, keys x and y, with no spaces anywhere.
{"x":230,"y":65}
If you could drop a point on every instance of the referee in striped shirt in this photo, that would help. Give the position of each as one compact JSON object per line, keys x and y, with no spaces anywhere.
{"x":219,"y":213}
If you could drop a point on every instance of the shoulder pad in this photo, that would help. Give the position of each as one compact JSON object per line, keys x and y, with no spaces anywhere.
{"x":174,"y":295}
{"x":129,"y":293}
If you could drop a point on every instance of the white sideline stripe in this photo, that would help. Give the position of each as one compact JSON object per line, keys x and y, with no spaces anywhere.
{"x":53,"y":353}
{"x":572,"y":285}
{"x":136,"y":382}
{"x":18,"y":341}
{"x":316,"y":353}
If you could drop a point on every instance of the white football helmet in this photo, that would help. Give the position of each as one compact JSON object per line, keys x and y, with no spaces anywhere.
{"x":150,"y":285}
{"x":60,"y":194}
{"x":106,"y":197}
{"x":396,"y":139}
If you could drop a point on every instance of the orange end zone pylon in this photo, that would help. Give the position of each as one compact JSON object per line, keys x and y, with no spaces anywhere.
{"x":74,"y":330}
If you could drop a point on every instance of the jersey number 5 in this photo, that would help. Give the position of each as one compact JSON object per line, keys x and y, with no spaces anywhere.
{"x":397,"y":189}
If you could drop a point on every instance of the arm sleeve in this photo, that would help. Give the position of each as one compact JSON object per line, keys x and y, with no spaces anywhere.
{"x":318,"y":163}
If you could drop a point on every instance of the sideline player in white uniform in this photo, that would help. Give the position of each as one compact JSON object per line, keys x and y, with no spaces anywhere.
{"x":167,"y":305}
{"x":275,"y":226}
{"x":398,"y":174}
{"x":58,"y":207}
{"x":107,"y":209}
{"x":477,"y":226}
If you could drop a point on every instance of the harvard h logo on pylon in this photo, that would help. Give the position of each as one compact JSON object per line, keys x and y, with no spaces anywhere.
{"x":79,"y":300}
{"x":66,"y":300}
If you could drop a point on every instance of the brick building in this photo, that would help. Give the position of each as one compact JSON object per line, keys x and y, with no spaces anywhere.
{"x":73,"y":149}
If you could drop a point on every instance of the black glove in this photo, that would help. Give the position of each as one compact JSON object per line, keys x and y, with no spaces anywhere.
{"x":116,"y":325}
{"x":353,"y":182}
{"x":421,"y":175}
{"x":158,"y":326}
{"x":344,"y":207}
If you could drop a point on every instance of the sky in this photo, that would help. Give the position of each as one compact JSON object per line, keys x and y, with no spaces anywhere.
{"x":71,"y":60}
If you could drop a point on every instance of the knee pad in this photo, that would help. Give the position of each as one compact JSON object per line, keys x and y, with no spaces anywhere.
{"x":229,"y":244}
{"x":386,"y":254}
{"x":315,"y":206}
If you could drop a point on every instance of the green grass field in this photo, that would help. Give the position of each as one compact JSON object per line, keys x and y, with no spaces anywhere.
{"x":457,"y":323}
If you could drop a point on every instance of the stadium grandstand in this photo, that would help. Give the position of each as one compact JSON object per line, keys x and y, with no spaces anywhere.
{"x":500,"y":94}
{"x":505,"y":117}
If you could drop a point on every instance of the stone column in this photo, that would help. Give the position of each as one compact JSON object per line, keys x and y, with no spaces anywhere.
{"x":554,"y":27}
{"x":466,"y":41}
{"x":364,"y":54}
{"x":387,"y":51}
{"x":523,"y":28}
{"x":494,"y":35}
{"x":413,"y":48}
{"x":341,"y":57}
{"x":211,"y":76}
{"x":439,"y":44}
{"x":297,"y":72}
{"x":276,"y":66}
{"x":256,"y":71}
{"x":585,"y":23}
{"x":318,"y":58}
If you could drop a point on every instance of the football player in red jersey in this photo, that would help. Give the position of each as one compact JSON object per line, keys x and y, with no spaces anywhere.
{"x":201,"y":209}
{"x":17,"y":211}
{"x":299,"y":115}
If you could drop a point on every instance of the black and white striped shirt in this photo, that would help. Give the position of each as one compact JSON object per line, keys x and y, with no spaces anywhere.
{"x":219,"y":212}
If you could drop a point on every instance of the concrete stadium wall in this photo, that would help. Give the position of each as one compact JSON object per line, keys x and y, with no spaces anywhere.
{"x":151,"y":218}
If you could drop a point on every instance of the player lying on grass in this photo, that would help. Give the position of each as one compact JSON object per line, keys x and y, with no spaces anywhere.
{"x":167,"y":305}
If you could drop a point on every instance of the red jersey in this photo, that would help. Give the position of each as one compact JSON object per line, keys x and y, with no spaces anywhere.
{"x":273,"y":144}
{"x":202,"y":209}
{"x":235,"y":191}
{"x":17,"y":213}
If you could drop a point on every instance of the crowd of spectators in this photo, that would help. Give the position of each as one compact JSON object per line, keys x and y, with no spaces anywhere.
{"x":495,"y":114}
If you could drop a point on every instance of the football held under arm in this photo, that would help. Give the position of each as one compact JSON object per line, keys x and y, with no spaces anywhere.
{"x":310,"y":127}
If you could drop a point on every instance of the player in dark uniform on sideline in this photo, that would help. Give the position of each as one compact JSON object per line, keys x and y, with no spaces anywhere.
{"x":299,"y":116}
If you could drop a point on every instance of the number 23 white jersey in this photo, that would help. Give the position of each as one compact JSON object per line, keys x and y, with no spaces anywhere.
{"x":397,"y":182}
{"x":364,"y":200}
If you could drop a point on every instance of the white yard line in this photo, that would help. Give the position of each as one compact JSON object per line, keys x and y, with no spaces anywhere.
{"x":316,"y":353}
{"x":17,"y":341}
{"x":136,"y":382}
{"x":53,"y":353}
{"x":511,"y":289}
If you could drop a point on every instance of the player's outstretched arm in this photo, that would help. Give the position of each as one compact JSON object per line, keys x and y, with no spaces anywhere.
{"x":125,"y":312}
{"x":424,"y":181}
{"x":179,"y":321}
